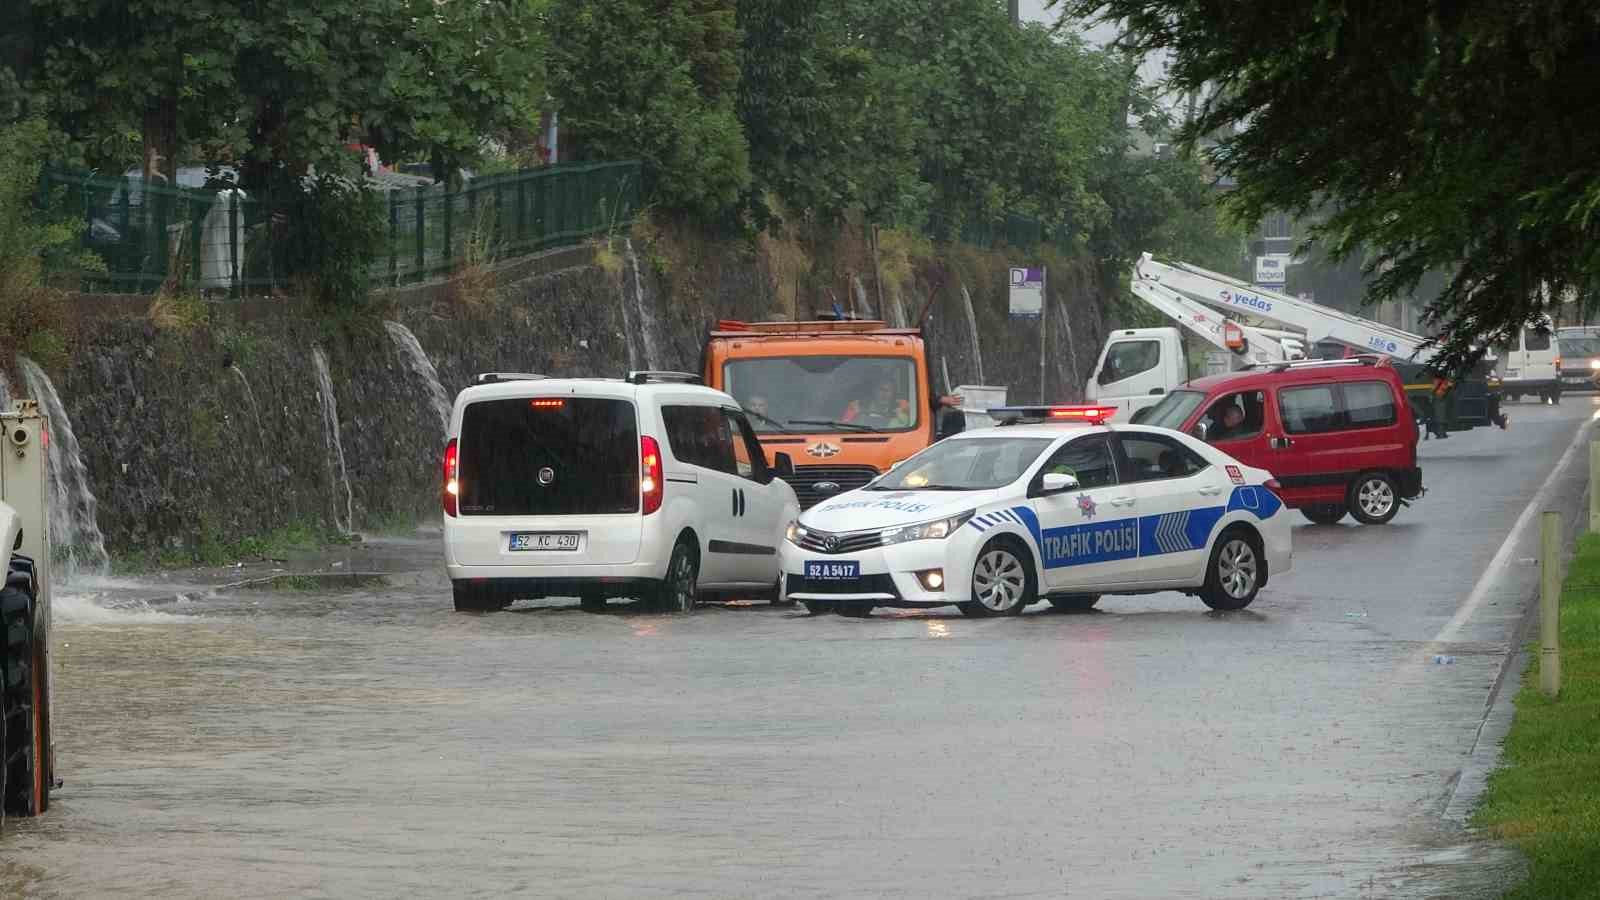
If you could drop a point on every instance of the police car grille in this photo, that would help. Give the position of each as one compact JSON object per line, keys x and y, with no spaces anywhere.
{"x":844,"y":543}
{"x":848,"y":478}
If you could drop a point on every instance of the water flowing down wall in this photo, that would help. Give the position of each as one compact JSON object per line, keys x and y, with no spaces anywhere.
{"x":74,"y":526}
{"x":200,"y":437}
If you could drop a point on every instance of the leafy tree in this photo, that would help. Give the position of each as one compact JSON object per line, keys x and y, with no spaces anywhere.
{"x":1437,"y":136}
{"x":802,"y":101}
{"x":285,"y":85}
{"x":656,"y":81}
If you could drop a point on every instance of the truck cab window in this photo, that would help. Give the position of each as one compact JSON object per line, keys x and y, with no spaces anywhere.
{"x":1126,"y":359}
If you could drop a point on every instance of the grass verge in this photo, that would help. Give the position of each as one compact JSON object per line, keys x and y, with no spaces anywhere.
{"x":274,"y":544}
{"x":1546,"y":797}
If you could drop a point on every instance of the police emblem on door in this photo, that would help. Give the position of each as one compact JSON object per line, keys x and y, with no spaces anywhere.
{"x":547,"y":475}
{"x":823,"y":450}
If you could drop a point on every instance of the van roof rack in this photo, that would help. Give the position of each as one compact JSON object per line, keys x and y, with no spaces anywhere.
{"x":648,"y":376}
{"x":496,"y":377}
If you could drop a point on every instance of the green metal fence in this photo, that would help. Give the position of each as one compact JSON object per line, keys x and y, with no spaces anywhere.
{"x":214,"y":238}
{"x":1013,"y":230}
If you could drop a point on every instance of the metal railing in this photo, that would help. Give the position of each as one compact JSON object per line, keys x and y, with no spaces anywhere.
{"x":206,"y":235}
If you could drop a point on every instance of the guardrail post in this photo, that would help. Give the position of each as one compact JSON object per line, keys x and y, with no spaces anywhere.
{"x":1594,"y":487}
{"x":1550,"y":604}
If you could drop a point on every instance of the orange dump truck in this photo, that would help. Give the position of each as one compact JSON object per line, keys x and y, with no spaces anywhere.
{"x":845,"y":399}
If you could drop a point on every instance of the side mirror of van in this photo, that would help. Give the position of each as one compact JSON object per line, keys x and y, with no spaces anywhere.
{"x":1056,"y":483}
{"x":951,"y":422}
{"x":782,"y":465}
{"x":1201,"y":429}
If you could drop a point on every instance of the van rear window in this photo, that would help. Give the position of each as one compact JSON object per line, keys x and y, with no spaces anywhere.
{"x":558,"y":456}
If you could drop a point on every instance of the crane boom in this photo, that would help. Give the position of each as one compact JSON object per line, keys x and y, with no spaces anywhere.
{"x":1318,"y":322}
{"x":1260,"y":345}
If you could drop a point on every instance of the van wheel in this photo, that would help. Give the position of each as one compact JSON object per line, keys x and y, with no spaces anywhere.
{"x":471,"y":597}
{"x":1002,"y":581}
{"x":24,"y":698}
{"x":679,"y":590}
{"x":1233,"y":576}
{"x":1074,"y":602}
{"x":1373,"y":498}
{"x":1325,"y":513}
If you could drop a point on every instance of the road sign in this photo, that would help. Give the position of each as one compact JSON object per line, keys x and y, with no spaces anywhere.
{"x":1272,"y":270}
{"x":1027,"y":292}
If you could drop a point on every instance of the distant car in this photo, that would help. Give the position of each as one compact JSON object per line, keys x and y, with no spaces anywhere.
{"x":1338,"y":435}
{"x":651,"y":486}
{"x":1056,"y":507}
{"x":1580,"y":359}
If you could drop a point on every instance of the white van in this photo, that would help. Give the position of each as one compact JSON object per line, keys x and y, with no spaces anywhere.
{"x":1530,"y":364}
{"x":651,"y":486}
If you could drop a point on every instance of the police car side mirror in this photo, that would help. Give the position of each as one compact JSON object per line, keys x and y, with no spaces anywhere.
{"x":782,"y":465}
{"x":1056,"y":482}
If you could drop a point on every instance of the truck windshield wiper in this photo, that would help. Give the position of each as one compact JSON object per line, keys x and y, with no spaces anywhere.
{"x":768,"y":419}
{"x":853,"y":426}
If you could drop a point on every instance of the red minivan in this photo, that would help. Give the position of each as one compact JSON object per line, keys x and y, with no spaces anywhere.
{"x":1337,"y":434}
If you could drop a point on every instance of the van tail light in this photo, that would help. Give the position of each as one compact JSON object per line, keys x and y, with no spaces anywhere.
{"x":1272,"y":485}
{"x":452,"y":486}
{"x":650,"y":480}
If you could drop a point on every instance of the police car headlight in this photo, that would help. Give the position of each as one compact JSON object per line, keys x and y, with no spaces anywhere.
{"x":938,"y":529}
{"x":795,"y":532}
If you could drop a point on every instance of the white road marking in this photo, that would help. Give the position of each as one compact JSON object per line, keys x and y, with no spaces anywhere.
{"x":1502,"y":557}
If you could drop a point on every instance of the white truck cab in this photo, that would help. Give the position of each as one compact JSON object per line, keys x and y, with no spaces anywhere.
{"x":1136,"y":368}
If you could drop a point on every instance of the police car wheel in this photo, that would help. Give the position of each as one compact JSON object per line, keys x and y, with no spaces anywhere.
{"x":1325,"y":513}
{"x":1074,"y":602}
{"x":820,"y":607}
{"x":1002,"y":581}
{"x":1374,"y":499}
{"x":1233,"y":577}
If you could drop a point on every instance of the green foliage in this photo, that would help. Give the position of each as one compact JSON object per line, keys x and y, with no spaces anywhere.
{"x":32,"y":243}
{"x":1451,"y":137}
{"x":343,"y":229}
{"x":655,"y":81}
{"x":1546,"y":799}
{"x":285,"y":84}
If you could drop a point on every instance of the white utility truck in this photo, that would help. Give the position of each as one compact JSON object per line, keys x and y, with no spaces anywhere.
{"x":1138,"y":366}
{"x":27,"y":770}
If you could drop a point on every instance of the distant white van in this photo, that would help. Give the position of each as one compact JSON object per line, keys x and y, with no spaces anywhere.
{"x":1530,"y":364}
{"x":651,"y":486}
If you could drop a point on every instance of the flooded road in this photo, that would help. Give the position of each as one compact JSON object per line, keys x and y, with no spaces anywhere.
{"x":356,"y":737}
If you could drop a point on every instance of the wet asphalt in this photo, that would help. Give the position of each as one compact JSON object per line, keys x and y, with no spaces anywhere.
{"x":343,"y":738}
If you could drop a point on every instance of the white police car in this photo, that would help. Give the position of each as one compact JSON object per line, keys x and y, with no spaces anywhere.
{"x":1053,"y":504}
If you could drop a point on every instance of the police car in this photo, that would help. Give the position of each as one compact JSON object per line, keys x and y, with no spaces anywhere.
{"x":1052,"y":504}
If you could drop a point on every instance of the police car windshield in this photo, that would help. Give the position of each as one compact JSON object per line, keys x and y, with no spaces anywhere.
{"x":1173,"y":409}
{"x":969,"y":464}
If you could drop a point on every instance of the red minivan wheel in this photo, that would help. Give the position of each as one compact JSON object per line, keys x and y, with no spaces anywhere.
{"x":1373,"y":498}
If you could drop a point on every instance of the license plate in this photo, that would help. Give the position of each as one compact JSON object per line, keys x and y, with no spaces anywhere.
{"x":544,"y":540}
{"x":1512,"y":373}
{"x":1574,"y":379}
{"x":832,"y":571}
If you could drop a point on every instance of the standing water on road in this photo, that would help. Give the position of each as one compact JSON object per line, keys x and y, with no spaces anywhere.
{"x":330,"y":425}
{"x":73,"y":526}
{"x":411,"y":351}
